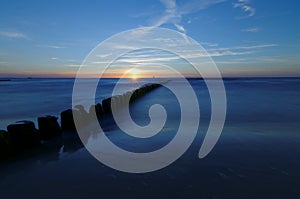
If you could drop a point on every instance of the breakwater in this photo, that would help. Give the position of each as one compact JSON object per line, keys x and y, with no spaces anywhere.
{"x":22,"y":136}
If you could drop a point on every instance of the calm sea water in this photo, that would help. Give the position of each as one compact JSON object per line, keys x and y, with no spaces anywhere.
{"x":257,"y":156}
{"x":27,"y":99}
{"x":249,"y":100}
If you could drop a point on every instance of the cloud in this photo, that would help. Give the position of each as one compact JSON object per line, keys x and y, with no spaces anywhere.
{"x":228,"y":53}
{"x":251,"y":29}
{"x":237,"y":50}
{"x":246,"y":47}
{"x":52,"y":46}
{"x":261,"y":59}
{"x":155,"y":56}
{"x":257,"y":46}
{"x":197,"y":5}
{"x":65,"y":62}
{"x":180,"y":28}
{"x":231,"y":51}
{"x":173,"y":13}
{"x":134,"y":60}
{"x":158,"y":56}
{"x":73,"y":65}
{"x":13,"y":35}
{"x":126,"y":47}
{"x":104,"y":55}
{"x":244,"y":5}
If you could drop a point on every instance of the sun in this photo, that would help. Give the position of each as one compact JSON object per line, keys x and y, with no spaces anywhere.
{"x":133,"y":73}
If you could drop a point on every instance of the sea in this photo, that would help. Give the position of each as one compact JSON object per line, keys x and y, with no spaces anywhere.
{"x":256,"y":156}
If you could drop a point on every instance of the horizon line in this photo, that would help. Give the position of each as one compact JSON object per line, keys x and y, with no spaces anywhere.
{"x":188,"y":77}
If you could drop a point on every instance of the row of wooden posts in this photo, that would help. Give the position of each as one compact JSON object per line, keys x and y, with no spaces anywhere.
{"x":22,"y":135}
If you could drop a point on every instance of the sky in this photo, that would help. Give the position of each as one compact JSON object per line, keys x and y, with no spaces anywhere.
{"x":44,"y":38}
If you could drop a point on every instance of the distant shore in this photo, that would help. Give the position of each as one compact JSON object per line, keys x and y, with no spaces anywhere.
{"x":3,"y":78}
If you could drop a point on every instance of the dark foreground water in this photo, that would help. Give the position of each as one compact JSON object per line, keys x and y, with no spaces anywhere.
{"x":257,"y":155}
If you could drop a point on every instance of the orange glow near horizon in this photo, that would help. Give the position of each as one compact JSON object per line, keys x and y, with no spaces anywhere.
{"x":133,"y":73}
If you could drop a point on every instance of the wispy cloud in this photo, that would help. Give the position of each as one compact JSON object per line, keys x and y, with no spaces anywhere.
{"x":237,"y":50}
{"x":251,"y":29}
{"x":244,"y":5}
{"x":261,"y":59}
{"x":173,"y":13}
{"x":13,"y":35}
{"x":104,"y":55}
{"x":155,"y":56}
{"x":258,"y":46}
{"x":158,"y":56}
{"x":52,"y":46}
{"x":179,"y":27}
{"x":228,"y":53}
{"x":65,"y":62}
{"x":73,"y":65}
{"x":209,"y":44}
{"x":246,"y":47}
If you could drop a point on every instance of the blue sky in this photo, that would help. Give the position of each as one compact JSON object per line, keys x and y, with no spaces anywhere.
{"x":244,"y":37}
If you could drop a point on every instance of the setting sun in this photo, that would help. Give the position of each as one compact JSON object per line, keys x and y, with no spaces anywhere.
{"x":133,"y":73}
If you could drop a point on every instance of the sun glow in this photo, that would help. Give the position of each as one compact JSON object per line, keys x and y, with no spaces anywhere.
{"x":133,"y":73}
